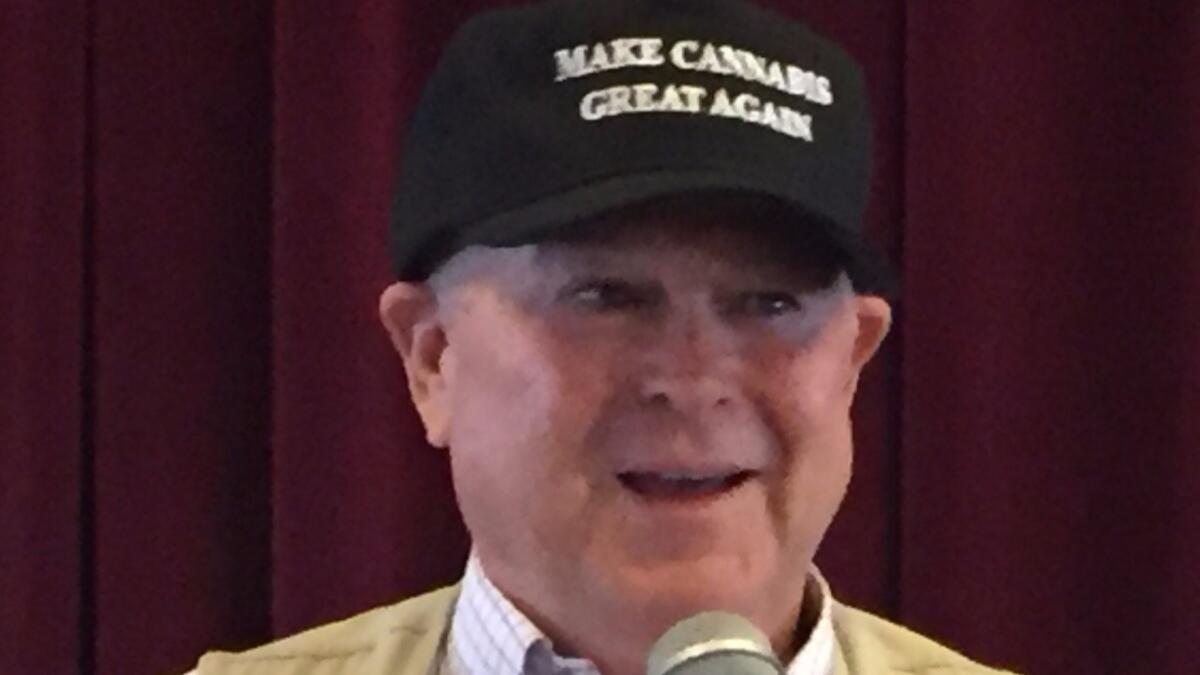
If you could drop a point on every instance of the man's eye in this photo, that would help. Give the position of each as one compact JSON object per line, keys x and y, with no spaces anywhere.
{"x":608,"y":294}
{"x":765,"y":304}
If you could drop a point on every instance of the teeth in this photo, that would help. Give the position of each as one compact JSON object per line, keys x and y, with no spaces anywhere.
{"x":690,"y":482}
{"x":667,"y":483}
{"x":682,"y":477}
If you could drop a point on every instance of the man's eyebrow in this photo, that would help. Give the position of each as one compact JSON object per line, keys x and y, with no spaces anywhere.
{"x":637,"y":281}
{"x":575,"y":262}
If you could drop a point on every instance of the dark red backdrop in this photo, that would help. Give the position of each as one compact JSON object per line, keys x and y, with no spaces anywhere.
{"x":206,"y":441}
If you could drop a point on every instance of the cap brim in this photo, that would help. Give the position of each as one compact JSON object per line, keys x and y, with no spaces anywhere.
{"x":867,"y":268}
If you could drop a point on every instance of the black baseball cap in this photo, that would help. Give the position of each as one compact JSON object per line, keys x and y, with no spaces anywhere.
{"x":542,"y":116}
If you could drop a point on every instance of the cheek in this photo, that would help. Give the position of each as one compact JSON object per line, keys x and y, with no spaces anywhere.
{"x":816,"y":373}
{"x":815,"y":396}
{"x":809,"y":415}
{"x":501,"y":392}
{"x":806,"y":388}
{"x":522,"y":400}
{"x":501,"y":386}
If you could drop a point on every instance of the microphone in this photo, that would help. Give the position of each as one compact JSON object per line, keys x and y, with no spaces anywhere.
{"x":713,"y":643}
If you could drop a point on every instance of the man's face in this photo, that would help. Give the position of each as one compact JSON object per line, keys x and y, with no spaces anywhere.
{"x":653,"y":421}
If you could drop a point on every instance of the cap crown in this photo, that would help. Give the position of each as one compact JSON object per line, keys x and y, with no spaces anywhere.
{"x":546,"y":113}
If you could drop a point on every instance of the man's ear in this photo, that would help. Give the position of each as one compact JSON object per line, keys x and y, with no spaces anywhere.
{"x":873,"y":316}
{"x":409,"y":313}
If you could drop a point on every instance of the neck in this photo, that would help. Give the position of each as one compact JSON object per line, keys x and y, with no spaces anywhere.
{"x":621,"y":648}
{"x":617,"y":640}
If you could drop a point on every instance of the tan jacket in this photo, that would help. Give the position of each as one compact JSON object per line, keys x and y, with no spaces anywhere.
{"x":408,"y":639}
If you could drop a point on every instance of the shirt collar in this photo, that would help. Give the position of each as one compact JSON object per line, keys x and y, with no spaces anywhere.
{"x":490,"y":636}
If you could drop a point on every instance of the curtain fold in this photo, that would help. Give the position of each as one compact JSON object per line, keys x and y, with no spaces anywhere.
{"x":182,"y":258}
{"x":1052,"y":261}
{"x":363,"y":508}
{"x":206,"y":440}
{"x":43,"y":581}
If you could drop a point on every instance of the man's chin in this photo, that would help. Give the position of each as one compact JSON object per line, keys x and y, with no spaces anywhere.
{"x":678,"y":588}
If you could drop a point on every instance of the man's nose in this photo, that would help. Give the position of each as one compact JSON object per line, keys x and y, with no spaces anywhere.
{"x":686,"y":394}
{"x":692,"y":365}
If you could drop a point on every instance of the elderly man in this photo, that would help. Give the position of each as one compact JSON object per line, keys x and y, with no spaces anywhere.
{"x":633,"y":307}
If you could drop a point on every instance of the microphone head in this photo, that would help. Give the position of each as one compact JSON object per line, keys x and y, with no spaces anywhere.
{"x":713,"y":643}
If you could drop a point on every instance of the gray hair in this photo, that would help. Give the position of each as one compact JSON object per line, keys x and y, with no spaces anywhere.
{"x":477,"y":261}
{"x":460,"y":267}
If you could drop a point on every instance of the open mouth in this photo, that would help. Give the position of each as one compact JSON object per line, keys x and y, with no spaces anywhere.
{"x":671,"y":486}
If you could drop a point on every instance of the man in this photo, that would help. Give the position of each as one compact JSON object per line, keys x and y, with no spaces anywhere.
{"x":633,"y":307}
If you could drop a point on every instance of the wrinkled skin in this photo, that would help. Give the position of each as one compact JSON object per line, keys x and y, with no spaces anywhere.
{"x":669,"y":340}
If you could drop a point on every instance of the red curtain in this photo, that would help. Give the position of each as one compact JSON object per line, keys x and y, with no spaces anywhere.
{"x":205,"y":440}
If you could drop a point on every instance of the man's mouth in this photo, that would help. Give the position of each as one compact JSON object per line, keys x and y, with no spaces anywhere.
{"x":681,"y":486}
